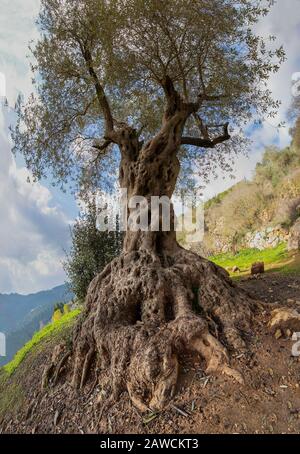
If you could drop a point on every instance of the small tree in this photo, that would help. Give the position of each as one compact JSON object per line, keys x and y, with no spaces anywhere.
{"x":91,"y":251}
{"x":154,"y":84}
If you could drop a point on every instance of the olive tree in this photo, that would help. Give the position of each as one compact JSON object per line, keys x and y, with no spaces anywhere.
{"x":149,"y":85}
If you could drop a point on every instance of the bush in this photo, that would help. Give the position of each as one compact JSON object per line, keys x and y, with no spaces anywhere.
{"x":91,"y":251}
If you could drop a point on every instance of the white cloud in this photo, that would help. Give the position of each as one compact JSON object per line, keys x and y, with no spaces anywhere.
{"x":17,"y":29}
{"x":283,"y":22}
{"x":33,"y":232}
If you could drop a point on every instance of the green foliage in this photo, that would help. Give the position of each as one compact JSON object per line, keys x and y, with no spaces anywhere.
{"x":97,"y":61}
{"x":59,"y":307}
{"x":66,"y":309}
{"x":91,"y":251}
{"x":216,"y":200}
{"x":59,"y":310}
{"x":57,"y":315}
{"x":244,"y":258}
{"x":238,"y":211}
{"x":276,"y":164}
{"x":49,"y":330}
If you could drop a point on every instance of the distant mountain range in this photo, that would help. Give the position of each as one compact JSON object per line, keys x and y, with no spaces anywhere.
{"x":22,"y":315}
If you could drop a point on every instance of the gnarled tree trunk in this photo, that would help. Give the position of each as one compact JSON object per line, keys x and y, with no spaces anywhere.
{"x":157,"y":301}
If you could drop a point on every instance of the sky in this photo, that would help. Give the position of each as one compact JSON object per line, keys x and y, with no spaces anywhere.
{"x":35,"y":218}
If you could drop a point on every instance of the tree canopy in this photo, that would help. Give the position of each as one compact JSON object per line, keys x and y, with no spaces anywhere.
{"x":100,"y":64}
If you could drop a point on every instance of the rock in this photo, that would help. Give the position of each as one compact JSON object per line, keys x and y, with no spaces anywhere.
{"x":258,"y":268}
{"x":284,"y":318}
{"x":266,"y":238}
{"x":278,"y":334}
{"x":294,"y":238}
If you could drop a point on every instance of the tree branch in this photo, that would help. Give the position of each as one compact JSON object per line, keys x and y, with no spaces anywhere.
{"x":100,"y":147}
{"x":104,"y":104}
{"x":207,"y":142}
{"x":174,"y":101}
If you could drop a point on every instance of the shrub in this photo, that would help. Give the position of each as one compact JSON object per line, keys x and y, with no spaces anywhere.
{"x":90,"y":252}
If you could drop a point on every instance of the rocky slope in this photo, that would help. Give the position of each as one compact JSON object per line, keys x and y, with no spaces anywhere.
{"x":259,"y":213}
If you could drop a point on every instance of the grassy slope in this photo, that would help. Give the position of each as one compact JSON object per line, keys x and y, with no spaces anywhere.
{"x":275,"y":259}
{"x":11,"y":393}
{"x":51,"y":329}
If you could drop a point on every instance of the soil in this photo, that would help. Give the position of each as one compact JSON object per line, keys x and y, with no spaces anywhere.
{"x":269,"y":402}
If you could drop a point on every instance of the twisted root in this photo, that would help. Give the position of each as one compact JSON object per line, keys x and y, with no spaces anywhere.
{"x":145,"y":311}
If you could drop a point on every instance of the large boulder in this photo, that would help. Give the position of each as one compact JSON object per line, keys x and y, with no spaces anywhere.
{"x":294,"y":238}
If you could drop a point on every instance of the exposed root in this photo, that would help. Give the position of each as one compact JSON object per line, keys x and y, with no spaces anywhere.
{"x":53,"y":370}
{"x":46,"y":377}
{"x":145,"y":311}
{"x":216,"y":356}
{"x":60,"y":366}
{"x":86,"y":366}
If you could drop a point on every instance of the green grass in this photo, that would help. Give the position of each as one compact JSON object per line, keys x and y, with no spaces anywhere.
{"x":47,"y":331}
{"x":244,"y":259}
{"x":217,"y":199}
{"x":293,"y":267}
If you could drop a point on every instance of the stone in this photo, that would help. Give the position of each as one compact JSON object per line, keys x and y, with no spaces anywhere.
{"x":294,"y":238}
{"x":257,"y":268}
{"x":266,"y":238}
{"x":283,"y":319}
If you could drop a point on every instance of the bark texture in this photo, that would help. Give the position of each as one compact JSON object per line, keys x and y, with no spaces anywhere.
{"x":145,"y":311}
{"x":157,"y":301}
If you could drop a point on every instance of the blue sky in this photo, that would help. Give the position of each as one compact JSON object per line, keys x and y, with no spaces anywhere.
{"x":35,"y":218}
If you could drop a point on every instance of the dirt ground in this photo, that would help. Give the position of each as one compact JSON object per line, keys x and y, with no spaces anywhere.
{"x":269,"y":402}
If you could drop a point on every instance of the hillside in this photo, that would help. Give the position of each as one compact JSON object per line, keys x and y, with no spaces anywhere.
{"x":22,"y":315}
{"x":268,"y":402}
{"x":259,"y":213}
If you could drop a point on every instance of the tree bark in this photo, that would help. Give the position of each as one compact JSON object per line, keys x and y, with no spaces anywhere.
{"x":140,"y":315}
{"x":151,"y":172}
